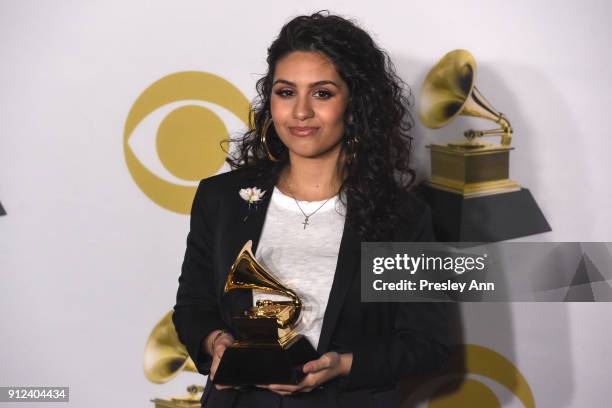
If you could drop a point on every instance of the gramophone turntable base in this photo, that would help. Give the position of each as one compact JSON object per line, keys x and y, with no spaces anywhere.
{"x":474,"y":189}
{"x":491,"y":218}
{"x":265,"y":363}
{"x":471,"y":172}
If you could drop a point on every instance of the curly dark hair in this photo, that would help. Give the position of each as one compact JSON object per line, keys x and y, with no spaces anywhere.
{"x":378,"y":105}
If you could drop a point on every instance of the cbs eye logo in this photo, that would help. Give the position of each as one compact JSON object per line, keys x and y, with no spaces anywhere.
{"x":187,"y":112}
{"x":484,"y":375}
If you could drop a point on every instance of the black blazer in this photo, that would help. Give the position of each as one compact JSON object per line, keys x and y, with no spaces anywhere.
{"x":389,"y":341}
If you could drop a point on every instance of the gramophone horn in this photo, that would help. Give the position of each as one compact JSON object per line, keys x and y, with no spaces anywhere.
{"x":449,"y":90}
{"x":164,"y":355}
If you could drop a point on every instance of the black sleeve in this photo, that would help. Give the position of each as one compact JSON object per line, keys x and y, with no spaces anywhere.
{"x":418,"y":344}
{"x":196,"y":312}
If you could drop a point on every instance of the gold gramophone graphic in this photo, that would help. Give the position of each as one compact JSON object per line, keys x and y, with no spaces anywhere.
{"x":267,"y":350}
{"x":473,"y":167}
{"x":164,"y":358}
{"x":470,"y":188}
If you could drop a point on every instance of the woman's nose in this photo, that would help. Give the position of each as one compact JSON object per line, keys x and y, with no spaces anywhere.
{"x":302,"y":109}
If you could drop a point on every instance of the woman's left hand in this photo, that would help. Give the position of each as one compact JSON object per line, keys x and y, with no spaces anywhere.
{"x":328,"y":366}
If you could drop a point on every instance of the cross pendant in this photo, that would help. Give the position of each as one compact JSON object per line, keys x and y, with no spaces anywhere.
{"x":305,"y":222}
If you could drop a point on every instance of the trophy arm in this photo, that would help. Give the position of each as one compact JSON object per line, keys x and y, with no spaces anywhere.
{"x":297,"y":304}
{"x":286,"y":313}
{"x":507,"y":128}
{"x":295,"y":312}
{"x":505,"y":131}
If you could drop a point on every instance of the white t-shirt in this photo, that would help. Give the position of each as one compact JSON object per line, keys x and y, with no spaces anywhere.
{"x":302,"y":259}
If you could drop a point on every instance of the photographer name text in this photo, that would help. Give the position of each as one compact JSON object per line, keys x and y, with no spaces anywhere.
{"x":425,"y":285}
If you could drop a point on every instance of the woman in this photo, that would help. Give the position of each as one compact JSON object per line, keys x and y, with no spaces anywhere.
{"x":324,"y":167}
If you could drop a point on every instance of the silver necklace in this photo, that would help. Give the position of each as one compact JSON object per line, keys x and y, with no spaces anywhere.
{"x":306,"y":216}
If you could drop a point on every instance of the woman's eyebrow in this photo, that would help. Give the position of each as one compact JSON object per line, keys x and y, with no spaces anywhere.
{"x":311,"y":85}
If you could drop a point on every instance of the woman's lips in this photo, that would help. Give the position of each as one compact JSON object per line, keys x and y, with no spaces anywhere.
{"x":302,"y":131}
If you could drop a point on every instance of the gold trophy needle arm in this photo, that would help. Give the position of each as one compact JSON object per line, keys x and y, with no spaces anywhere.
{"x":471,"y":134}
{"x":505,"y":131}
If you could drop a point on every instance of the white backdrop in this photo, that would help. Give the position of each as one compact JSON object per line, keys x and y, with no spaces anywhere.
{"x":89,"y":263}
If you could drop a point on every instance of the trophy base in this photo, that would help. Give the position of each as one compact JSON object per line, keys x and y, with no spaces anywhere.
{"x":250,"y":363}
{"x":489,"y":218}
{"x":471,"y":170}
{"x":470,"y":190}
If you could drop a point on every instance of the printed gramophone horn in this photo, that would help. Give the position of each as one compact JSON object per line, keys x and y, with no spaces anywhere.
{"x":449,"y":91}
{"x":164,"y":355}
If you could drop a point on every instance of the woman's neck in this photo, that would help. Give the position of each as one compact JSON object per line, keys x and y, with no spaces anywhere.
{"x":311,"y":179}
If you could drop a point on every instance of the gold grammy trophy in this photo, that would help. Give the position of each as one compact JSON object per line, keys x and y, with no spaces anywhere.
{"x":473,"y":167}
{"x":267,"y":350}
{"x":164,"y":358}
{"x":482,"y":202}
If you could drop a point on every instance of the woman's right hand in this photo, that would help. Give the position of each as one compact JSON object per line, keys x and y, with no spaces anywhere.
{"x":215,"y":345}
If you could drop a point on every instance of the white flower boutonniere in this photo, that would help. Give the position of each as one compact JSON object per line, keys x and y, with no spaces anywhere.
{"x":252,"y":195}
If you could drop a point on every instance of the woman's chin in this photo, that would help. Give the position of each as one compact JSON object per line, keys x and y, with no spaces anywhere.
{"x":314,"y":152}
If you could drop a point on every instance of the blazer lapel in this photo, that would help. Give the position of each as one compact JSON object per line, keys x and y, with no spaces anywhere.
{"x":247,"y":225}
{"x":346,"y":268}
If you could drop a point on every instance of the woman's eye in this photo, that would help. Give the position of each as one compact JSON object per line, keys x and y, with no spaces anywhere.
{"x":320,"y":94}
{"x":284,"y":92}
{"x":323,"y":94}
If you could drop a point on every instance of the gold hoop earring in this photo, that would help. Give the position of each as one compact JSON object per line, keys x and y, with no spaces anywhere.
{"x":264,"y":131}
